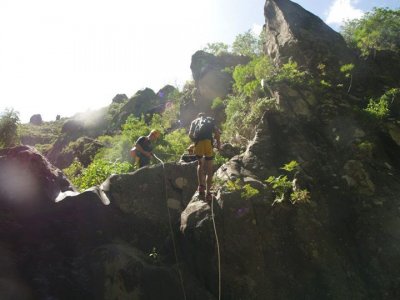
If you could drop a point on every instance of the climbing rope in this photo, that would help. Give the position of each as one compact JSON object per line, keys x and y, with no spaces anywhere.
{"x":173,"y":239}
{"x":170,"y":228}
{"x":218,"y":252}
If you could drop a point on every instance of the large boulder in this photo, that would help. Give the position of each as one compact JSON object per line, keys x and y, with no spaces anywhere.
{"x":293,"y":32}
{"x":72,"y":126}
{"x":28,"y":180}
{"x":211,"y":81}
{"x":119,"y":239}
{"x":36,"y":119}
{"x":138,"y":105}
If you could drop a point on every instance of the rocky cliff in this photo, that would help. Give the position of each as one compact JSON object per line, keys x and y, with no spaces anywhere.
{"x":146,"y":235}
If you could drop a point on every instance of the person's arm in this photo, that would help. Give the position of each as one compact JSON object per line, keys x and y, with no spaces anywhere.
{"x":140,"y":148}
{"x":191,"y":130}
{"x":217,"y":136}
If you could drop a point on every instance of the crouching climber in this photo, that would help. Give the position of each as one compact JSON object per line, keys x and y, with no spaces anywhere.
{"x":143,"y":150}
{"x":203,"y":131}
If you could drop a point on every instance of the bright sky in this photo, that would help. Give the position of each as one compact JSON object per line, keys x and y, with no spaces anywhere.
{"x":69,"y":56}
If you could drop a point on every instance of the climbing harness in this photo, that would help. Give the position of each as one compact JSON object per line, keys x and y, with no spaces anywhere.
{"x":170,"y":227}
{"x":218,"y":252}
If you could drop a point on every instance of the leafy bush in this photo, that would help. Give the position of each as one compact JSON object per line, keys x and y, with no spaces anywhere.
{"x":378,"y":108}
{"x":217,"y":104}
{"x":282,"y":186}
{"x":242,"y":117}
{"x":173,"y":145}
{"x":381,"y":108}
{"x":246,"y":190}
{"x":376,"y":30}
{"x":300,"y":196}
{"x":9,"y":121}
{"x":248,"y":44}
{"x":245,"y":79}
{"x":98,"y":171}
{"x":219,"y":160}
{"x":289,"y":73}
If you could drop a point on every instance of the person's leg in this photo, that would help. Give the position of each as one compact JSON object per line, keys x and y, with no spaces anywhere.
{"x":199,"y":152}
{"x":208,"y":169}
{"x":201,"y":175}
{"x":143,"y":160}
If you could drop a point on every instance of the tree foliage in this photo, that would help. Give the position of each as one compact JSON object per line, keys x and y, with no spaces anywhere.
{"x":376,"y":30}
{"x":9,"y":121}
{"x":216,"y":48}
{"x":248,"y":44}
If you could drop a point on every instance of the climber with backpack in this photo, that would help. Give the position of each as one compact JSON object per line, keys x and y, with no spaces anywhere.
{"x":202,"y":132}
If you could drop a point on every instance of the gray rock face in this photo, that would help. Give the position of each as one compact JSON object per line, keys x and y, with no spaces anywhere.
{"x":139,"y":104}
{"x":28,"y":182}
{"x":36,"y":119}
{"x":293,"y":32}
{"x":113,"y":240}
{"x":72,"y":126}
{"x":211,"y":81}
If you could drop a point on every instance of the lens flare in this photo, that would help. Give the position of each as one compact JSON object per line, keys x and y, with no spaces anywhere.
{"x":17,"y":183}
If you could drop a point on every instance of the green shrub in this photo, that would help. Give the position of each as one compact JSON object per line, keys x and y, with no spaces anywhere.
{"x":98,"y":171}
{"x":376,"y":30}
{"x":300,"y":196}
{"x":246,"y":190}
{"x":173,"y":145}
{"x":73,"y":171}
{"x":243,"y":116}
{"x":219,"y":160}
{"x":282,"y":186}
{"x":378,"y":108}
{"x":217,"y":104}
{"x":9,"y":121}
{"x":247,"y":44}
{"x":289,"y":73}
{"x":245,"y":79}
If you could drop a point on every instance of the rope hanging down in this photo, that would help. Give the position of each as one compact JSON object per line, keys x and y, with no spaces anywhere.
{"x":173,"y":238}
{"x":218,"y":252}
{"x":170,"y":228}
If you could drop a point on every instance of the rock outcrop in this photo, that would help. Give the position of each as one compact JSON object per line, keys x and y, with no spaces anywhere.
{"x":211,"y":81}
{"x":28,"y":180}
{"x":293,"y":32}
{"x":112,"y":241}
{"x":36,"y":119}
{"x":120,"y":98}
{"x":148,"y":235}
{"x":344,"y":243}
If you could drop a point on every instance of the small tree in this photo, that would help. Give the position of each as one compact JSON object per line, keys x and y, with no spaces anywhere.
{"x":246,"y":44}
{"x":376,"y":30}
{"x":9,"y":121}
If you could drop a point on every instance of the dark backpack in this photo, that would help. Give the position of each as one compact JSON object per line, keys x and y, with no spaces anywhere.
{"x":204,"y":129}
